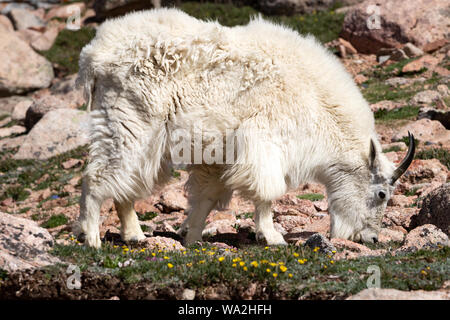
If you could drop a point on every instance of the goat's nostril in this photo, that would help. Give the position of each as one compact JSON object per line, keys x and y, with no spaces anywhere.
{"x":375,"y":240}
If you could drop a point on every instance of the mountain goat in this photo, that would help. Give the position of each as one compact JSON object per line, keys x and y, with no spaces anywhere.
{"x":256,"y":109}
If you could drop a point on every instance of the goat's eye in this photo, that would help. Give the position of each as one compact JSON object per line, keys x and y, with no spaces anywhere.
{"x":381,"y":194}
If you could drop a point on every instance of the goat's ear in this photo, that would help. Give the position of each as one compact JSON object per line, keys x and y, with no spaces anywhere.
{"x":372,"y":154}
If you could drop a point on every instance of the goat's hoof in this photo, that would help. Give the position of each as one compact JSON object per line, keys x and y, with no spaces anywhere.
{"x":81,"y":237}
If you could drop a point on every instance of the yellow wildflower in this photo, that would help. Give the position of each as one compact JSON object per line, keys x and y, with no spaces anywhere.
{"x":254,"y":264}
{"x":221,"y":259}
{"x":283,"y":268}
{"x":275,"y":275}
{"x":170,"y":265}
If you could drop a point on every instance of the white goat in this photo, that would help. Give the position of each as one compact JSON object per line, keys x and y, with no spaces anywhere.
{"x":155,"y":78}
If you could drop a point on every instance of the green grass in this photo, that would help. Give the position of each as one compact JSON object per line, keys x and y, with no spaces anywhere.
{"x":311,"y":196}
{"x":55,"y":221}
{"x":324,"y":25}
{"x":18,"y":175}
{"x":408,"y":112}
{"x":442,"y":155}
{"x":67,"y":47}
{"x":16,"y":192}
{"x":392,"y":149}
{"x":317,"y":275}
{"x":147,"y":216}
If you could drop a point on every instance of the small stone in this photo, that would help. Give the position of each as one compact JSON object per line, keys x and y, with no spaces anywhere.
{"x":319,"y":241}
{"x":5,"y":132}
{"x":426,"y":61}
{"x":412,"y":51}
{"x":188,"y":294}
{"x":435,"y":45}
{"x":20,"y":110}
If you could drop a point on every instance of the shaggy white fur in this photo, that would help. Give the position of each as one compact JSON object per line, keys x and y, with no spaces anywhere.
{"x":296,"y":112}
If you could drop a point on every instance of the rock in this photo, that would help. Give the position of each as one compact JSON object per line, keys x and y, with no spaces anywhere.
{"x":412,"y":51}
{"x":400,"y":200}
{"x":163,"y":243}
{"x":28,"y":35}
{"x":6,"y":132}
{"x":23,"y":244}
{"x":424,"y":130}
{"x":71,"y":163}
{"x":11,"y":143}
{"x":395,"y":54}
{"x":427,"y":236}
{"x":427,"y":61}
{"x":394,"y":294}
{"x":290,"y":222}
{"x":6,"y":24}
{"x":173,"y":200}
{"x":45,"y":41}
{"x":348,"y":46}
{"x":418,"y":22}
{"x":421,"y":171}
{"x":22,"y":69}
{"x":395,"y":216}
{"x":443,"y":72}
{"x":388,"y":235}
{"x":397,"y":81}
{"x":435,"y":45}
{"x":57,"y":132}
{"x":385,"y":105}
{"x":351,"y":250}
{"x":64,"y":12}
{"x":42,"y":106}
{"x":26,"y":19}
{"x":435,"y":210}
{"x":321,"y":225}
{"x":359,"y":78}
{"x":319,"y":241}
{"x":425,"y":97}
{"x":218,"y":227}
{"x":144,"y":205}
{"x":112,"y":8}
{"x":290,"y":7}
{"x":443,"y":90}
{"x":6,"y":119}
{"x":443,"y":116}
{"x":291,"y":205}
{"x":20,"y":110}
{"x":15,"y":5}
{"x":188,"y":294}
{"x":321,"y":205}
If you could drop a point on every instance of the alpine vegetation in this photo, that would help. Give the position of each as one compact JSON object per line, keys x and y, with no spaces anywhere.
{"x":255,"y":109}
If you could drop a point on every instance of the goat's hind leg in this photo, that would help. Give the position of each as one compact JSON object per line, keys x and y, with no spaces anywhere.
{"x":130,"y":227}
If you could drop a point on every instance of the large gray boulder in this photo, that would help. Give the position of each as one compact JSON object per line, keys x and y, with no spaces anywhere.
{"x":435,"y":210}
{"x":59,"y":131}
{"x":21,"y":68}
{"x":416,"y":21}
{"x":23,"y":244}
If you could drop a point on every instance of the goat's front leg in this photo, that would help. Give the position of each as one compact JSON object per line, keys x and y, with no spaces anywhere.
{"x":265,"y":229}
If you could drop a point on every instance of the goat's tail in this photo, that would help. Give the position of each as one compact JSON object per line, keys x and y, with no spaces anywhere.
{"x":86,"y":80}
